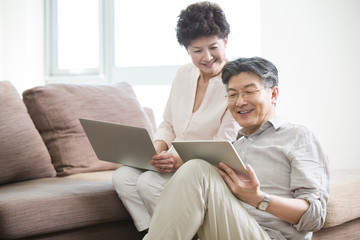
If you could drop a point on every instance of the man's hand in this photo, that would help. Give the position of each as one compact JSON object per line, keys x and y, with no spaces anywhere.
{"x":246,"y":189}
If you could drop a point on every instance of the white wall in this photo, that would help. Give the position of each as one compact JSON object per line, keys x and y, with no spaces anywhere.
{"x":316,"y":47}
{"x":22,"y":43}
{"x":314,"y":43}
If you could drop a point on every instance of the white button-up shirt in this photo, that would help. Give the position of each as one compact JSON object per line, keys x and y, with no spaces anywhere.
{"x":211,"y":121}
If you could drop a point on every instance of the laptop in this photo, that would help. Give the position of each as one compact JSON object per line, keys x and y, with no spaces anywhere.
{"x":127,"y":145}
{"x":212,"y":151}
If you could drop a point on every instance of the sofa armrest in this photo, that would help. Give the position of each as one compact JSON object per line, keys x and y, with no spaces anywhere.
{"x":150,"y":113}
{"x":344,"y":201}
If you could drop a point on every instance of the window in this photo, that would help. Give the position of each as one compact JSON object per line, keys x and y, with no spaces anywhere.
{"x":78,"y":51}
{"x":75,"y":38}
{"x":105,"y":41}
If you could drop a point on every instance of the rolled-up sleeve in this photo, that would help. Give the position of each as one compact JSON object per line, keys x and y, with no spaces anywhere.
{"x":310,"y":180}
{"x":314,"y":218}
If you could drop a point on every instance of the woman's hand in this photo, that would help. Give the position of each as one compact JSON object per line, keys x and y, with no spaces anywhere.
{"x":166,"y":162}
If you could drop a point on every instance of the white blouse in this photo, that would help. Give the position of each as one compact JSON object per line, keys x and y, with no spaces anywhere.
{"x":211,"y":121}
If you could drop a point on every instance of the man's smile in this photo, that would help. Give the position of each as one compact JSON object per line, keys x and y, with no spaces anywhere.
{"x":244,"y":112}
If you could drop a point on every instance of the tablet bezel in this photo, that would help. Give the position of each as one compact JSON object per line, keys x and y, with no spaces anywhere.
{"x":212,"y":151}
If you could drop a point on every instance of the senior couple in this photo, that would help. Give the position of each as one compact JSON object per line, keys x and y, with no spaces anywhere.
{"x":286,"y":193}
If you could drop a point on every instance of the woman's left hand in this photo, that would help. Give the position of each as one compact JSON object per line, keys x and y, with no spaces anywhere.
{"x":166,"y":162}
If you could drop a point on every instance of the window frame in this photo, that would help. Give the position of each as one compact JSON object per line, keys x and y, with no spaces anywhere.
{"x":137,"y":75}
{"x":107,"y":71}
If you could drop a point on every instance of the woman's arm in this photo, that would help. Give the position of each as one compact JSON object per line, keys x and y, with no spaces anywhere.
{"x":160,"y":146}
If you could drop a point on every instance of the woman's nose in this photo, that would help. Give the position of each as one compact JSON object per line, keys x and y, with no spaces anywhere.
{"x":207,"y":55}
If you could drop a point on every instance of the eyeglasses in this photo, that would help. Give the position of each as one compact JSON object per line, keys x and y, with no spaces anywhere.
{"x":233,"y":97}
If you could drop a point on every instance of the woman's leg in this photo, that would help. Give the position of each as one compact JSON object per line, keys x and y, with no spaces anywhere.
{"x":150,"y":184}
{"x":125,"y":183}
{"x":196,"y":199}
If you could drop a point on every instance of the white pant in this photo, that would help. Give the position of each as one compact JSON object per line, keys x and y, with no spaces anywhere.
{"x":196,"y":199}
{"x":139,"y":191}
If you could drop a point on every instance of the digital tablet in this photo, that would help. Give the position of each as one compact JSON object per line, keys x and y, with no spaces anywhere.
{"x":212,"y":151}
{"x":128,"y":145}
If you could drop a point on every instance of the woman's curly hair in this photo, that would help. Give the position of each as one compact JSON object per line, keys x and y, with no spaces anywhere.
{"x":201,"y":19}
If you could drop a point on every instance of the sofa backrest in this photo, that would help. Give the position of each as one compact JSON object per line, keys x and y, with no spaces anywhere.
{"x":56,"y":108}
{"x":23,"y":154}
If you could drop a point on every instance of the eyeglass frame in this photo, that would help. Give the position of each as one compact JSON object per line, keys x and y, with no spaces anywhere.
{"x":244,"y":94}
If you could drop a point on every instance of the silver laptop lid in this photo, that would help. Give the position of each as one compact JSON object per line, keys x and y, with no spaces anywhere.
{"x":128,"y":145}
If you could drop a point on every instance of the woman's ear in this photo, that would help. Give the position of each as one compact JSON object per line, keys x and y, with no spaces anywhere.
{"x":226,"y":40}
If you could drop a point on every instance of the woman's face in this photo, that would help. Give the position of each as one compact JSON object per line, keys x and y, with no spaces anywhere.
{"x":208,"y":54}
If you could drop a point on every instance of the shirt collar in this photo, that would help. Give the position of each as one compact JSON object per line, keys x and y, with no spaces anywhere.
{"x":275,"y":122}
{"x":215,"y":79}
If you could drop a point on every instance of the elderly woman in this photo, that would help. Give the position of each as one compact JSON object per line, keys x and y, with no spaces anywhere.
{"x":196,"y":109}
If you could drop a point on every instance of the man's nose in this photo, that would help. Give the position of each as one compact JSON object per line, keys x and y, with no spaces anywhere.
{"x":240,"y":100}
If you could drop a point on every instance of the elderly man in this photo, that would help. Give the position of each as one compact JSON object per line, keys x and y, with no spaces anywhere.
{"x":287,"y":190}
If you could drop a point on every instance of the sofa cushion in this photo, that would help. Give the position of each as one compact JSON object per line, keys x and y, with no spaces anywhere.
{"x":56,"y":109}
{"x":98,"y":176}
{"x":56,"y":204}
{"x":23,"y":154}
{"x":343,"y":205}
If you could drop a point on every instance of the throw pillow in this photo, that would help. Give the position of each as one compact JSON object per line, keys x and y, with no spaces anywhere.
{"x":56,"y":109}
{"x":23,"y":154}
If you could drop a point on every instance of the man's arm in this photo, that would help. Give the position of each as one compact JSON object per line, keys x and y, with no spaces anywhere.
{"x":289,"y":210}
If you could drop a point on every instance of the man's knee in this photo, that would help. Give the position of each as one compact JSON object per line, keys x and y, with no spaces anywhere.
{"x":195,"y":168}
{"x":196,"y":165}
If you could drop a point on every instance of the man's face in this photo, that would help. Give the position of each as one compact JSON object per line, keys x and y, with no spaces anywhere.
{"x":250,"y":103}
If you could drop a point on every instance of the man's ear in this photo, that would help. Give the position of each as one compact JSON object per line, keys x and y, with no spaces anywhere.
{"x":274,"y":94}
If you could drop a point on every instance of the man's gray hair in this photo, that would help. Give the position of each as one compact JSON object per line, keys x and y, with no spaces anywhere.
{"x":260,"y":66}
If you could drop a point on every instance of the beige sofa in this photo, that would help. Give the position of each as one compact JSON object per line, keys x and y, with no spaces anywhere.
{"x":44,"y":153}
{"x":52,"y":186}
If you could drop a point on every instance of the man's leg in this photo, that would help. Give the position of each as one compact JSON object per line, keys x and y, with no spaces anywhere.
{"x":197,"y":199}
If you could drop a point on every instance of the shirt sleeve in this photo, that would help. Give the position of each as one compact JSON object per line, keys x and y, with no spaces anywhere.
{"x":165,"y":131}
{"x":310,"y":180}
